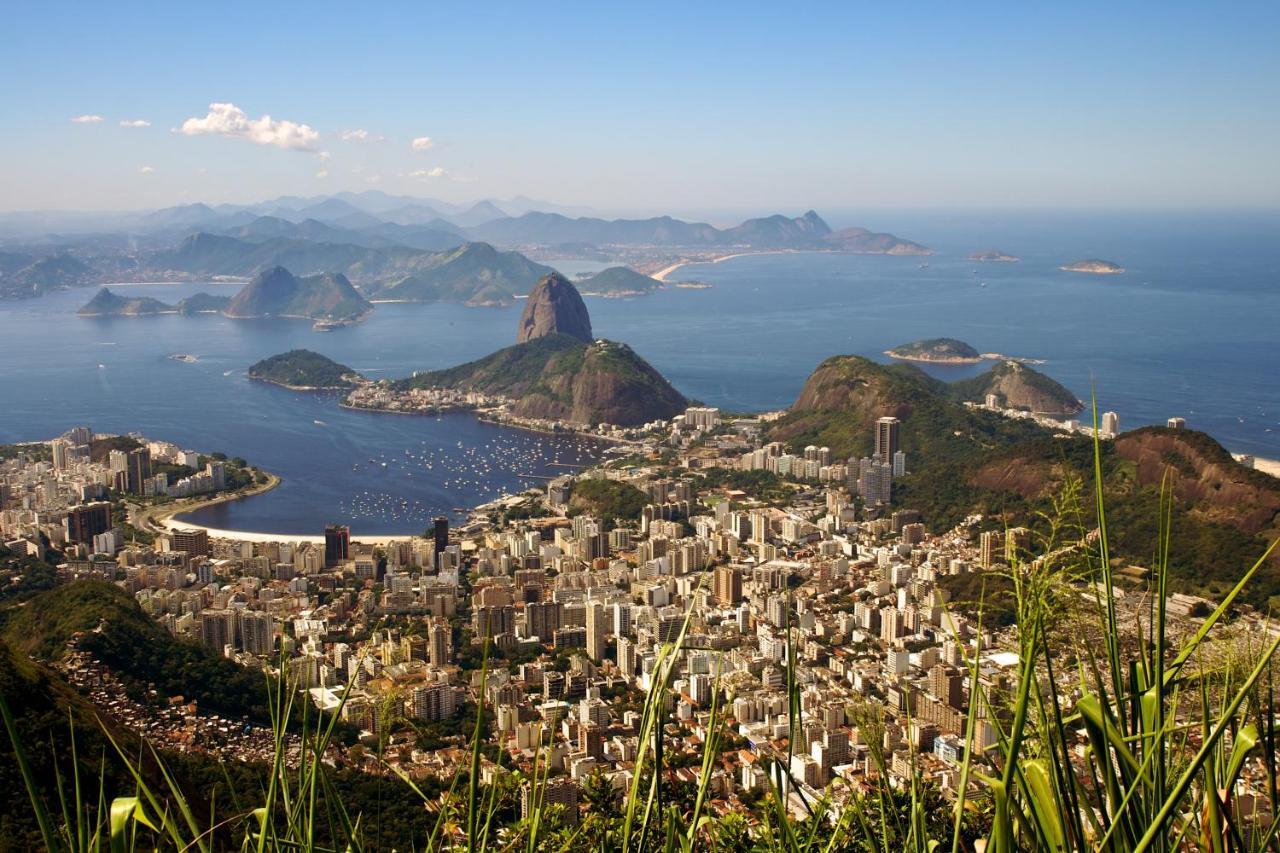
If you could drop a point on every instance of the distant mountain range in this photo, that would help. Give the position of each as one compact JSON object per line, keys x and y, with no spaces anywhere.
{"x":399,"y":248}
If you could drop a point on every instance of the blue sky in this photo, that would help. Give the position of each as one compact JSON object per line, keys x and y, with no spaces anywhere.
{"x":647,"y":107}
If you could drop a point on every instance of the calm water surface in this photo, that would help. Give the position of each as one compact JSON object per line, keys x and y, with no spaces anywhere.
{"x":1191,"y":329}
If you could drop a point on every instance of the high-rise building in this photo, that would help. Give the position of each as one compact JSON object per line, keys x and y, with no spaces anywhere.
{"x":434,"y":702}
{"x":542,"y":619}
{"x":337,"y":544}
{"x":728,"y":585}
{"x":1110,"y":424}
{"x":899,"y":463}
{"x":139,"y":469}
{"x":217,"y":472}
{"x":257,"y":633}
{"x":194,"y":542}
{"x":438,"y":644}
{"x":59,"y":447}
{"x":440,"y":533}
{"x":218,"y":629}
{"x":598,"y":625}
{"x":80,"y":435}
{"x":626,"y":656}
{"x":887,"y":439}
{"x":561,"y":791}
{"x":87,"y":521}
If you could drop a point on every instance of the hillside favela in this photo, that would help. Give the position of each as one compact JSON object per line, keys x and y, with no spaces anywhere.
{"x":569,"y":427}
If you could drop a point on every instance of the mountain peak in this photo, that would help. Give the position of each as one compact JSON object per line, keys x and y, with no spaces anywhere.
{"x":554,"y":306}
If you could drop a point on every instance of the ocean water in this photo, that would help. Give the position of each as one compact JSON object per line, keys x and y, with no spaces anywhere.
{"x":1191,"y":329}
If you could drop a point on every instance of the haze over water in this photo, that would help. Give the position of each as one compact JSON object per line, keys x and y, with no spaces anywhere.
{"x":1189,"y":330}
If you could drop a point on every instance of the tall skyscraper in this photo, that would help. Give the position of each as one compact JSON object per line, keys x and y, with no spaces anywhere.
{"x":337,"y":544}
{"x":887,"y":439}
{"x":139,"y":470}
{"x":59,"y":448}
{"x":1110,"y":423}
{"x":440,"y":532}
{"x":438,"y":644}
{"x":598,"y":624}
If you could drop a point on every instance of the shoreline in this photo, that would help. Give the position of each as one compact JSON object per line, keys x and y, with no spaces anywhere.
{"x":661,"y":275}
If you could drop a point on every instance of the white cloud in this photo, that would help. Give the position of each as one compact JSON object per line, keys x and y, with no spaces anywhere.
{"x":230,"y":120}
{"x":323,"y":173}
{"x":323,"y":155}
{"x":147,"y":170}
{"x":434,"y":172}
{"x":374,"y":179}
{"x":422,"y":143}
{"x":359,"y":134}
{"x":135,"y":122}
{"x":87,"y":119}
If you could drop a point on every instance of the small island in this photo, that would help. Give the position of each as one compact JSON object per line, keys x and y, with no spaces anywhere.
{"x":304,"y":370}
{"x":936,"y":351}
{"x":1094,"y":266}
{"x":106,"y":303}
{"x":618,"y":282}
{"x":993,"y":255}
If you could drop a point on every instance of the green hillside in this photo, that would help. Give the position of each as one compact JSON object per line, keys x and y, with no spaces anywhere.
{"x":562,"y":378}
{"x":301,"y":368}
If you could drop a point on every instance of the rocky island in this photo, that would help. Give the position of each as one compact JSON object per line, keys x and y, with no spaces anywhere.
{"x":617,"y":282}
{"x":276,"y":292}
{"x":936,"y":351}
{"x":304,"y":370}
{"x":107,"y":303}
{"x":1093,"y":265}
{"x":994,"y":255}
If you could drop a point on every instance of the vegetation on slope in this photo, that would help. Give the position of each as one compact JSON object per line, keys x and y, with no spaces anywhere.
{"x":139,"y":651}
{"x":608,"y":500}
{"x":304,"y":369}
{"x":561,"y":378}
{"x":961,"y":460}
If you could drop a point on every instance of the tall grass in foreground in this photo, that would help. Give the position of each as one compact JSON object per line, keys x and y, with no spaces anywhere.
{"x":1143,"y":751}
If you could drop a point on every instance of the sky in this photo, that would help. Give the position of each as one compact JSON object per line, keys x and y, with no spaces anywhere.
{"x":645,"y":106}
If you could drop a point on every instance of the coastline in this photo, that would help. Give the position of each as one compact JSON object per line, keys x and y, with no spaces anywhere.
{"x":661,"y":275}
{"x":160,"y":518}
{"x":955,"y":359}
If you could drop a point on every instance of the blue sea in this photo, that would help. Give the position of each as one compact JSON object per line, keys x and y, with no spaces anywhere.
{"x":1192,"y":329}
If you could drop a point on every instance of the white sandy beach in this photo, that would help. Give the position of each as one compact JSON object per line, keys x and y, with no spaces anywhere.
{"x":661,"y":275}
{"x":249,"y":536}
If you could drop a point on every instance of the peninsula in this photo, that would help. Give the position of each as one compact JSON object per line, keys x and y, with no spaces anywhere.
{"x":1094,"y":266}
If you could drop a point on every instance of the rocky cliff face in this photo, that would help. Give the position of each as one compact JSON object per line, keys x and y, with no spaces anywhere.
{"x":554,"y":307}
{"x":1202,"y":473}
